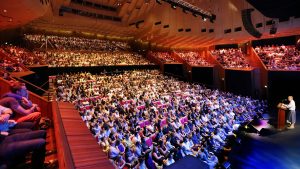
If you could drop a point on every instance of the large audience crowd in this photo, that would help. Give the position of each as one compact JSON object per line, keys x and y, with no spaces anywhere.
{"x":193,"y":58}
{"x":231,"y":58}
{"x":78,"y":59}
{"x":279,"y":57}
{"x":23,"y":56}
{"x":164,"y":57}
{"x":9,"y":66}
{"x":58,"y":58}
{"x":143,"y":119}
{"x":77,"y":43}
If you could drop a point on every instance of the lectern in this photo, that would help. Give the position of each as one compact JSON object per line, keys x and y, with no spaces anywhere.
{"x":281,"y":116}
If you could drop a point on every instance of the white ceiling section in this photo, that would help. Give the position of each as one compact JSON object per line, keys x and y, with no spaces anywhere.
{"x":228,"y":16}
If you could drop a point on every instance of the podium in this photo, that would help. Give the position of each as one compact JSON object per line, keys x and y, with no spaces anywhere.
{"x":281,"y":116}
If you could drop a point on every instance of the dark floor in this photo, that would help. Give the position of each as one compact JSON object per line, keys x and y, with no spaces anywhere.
{"x":276,"y":151}
{"x":188,"y":162}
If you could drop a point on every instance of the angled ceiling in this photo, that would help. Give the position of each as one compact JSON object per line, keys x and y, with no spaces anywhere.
{"x":150,"y":22}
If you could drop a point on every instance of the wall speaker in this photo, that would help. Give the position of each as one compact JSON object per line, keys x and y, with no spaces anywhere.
{"x":247,"y":22}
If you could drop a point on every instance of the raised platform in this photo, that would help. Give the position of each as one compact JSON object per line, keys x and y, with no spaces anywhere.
{"x":77,"y":148}
{"x":189,"y":162}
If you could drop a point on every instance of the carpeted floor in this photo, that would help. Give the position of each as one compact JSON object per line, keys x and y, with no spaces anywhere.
{"x":277,"y":151}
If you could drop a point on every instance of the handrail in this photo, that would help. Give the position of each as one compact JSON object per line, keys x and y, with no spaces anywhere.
{"x":256,"y":55}
{"x":37,"y":87}
{"x":18,"y":78}
{"x":31,"y":84}
{"x":44,"y":84}
{"x":213,"y":59}
{"x":31,"y":93}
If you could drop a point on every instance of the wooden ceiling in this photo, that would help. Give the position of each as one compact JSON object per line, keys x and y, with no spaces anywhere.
{"x":16,"y":13}
{"x":147,"y":13}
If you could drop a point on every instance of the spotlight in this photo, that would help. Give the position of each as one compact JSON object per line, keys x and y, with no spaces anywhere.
{"x":173,"y":6}
{"x":204,"y":18}
{"x":212,"y":18}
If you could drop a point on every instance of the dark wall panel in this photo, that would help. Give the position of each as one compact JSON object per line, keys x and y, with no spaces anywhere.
{"x":203,"y":75}
{"x":239,"y":82}
{"x":288,"y":40}
{"x":282,"y":84}
{"x":98,"y":69}
{"x":174,"y":69}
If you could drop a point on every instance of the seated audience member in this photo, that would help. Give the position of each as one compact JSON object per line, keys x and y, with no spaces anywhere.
{"x":170,"y":160}
{"x":130,"y":158}
{"x":20,"y":93}
{"x":211,"y":160}
{"x":157,"y":157}
{"x":113,"y":152}
{"x":119,"y":163}
{"x":9,"y":127}
{"x":142,"y":163}
{"x":17,"y":145}
{"x":19,"y":113}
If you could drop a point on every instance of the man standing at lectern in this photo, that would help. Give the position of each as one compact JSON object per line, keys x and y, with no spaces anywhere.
{"x":291,"y":107}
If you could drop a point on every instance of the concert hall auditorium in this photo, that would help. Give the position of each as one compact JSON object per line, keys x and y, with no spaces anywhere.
{"x":149,"y":84}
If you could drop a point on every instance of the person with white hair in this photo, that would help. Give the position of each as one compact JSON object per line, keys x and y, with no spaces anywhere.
{"x":291,"y":107}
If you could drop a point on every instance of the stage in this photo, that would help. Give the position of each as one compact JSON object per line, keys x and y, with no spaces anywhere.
{"x":188,"y":162}
{"x":280,"y":150}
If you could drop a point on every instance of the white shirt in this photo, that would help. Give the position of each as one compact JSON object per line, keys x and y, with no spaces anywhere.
{"x":291,"y":105}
